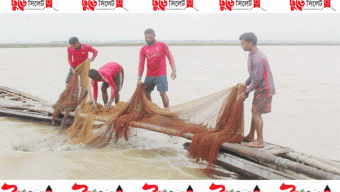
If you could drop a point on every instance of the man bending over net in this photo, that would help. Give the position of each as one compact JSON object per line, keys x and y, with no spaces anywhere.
{"x":112,"y":75}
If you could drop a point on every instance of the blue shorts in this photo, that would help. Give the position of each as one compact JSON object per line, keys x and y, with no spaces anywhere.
{"x":160,"y":81}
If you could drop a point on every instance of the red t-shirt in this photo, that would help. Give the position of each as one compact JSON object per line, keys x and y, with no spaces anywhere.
{"x":109,"y":71}
{"x":75,"y":57}
{"x":156,"y":64}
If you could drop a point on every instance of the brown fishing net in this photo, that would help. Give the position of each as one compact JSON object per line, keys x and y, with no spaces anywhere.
{"x":213,"y":119}
{"x":75,"y":93}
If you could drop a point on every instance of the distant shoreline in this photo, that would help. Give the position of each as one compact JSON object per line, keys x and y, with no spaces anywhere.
{"x":28,"y":45}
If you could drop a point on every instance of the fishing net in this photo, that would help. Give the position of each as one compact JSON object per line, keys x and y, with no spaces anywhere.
{"x":213,"y":119}
{"x":75,"y":94}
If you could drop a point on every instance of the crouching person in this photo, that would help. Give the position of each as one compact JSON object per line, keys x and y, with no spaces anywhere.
{"x":112,"y":75}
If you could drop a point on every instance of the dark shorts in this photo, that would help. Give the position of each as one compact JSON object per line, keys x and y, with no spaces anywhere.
{"x":262,"y":105}
{"x":160,"y":81}
{"x":119,"y":80}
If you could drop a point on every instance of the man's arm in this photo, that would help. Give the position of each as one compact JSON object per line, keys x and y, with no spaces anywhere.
{"x":171,"y":60}
{"x":94,"y":51}
{"x":112,"y":85}
{"x":169,"y":56}
{"x":69,"y":57}
{"x":95,"y":90}
{"x":141,"y":64}
{"x":113,"y":88}
{"x":70,"y":60}
{"x":258,"y":68}
{"x":248,"y":81}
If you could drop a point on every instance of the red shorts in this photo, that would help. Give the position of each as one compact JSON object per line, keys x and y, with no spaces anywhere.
{"x":262,"y":105}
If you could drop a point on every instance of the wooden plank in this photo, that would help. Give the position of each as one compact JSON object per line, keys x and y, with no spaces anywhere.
{"x":17,"y":105}
{"x":19,"y":93}
{"x":11,"y":97}
{"x":247,"y":168}
{"x":28,"y":115}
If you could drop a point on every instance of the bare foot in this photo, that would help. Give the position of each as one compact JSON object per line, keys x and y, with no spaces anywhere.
{"x":255,"y":144}
{"x":248,"y":139}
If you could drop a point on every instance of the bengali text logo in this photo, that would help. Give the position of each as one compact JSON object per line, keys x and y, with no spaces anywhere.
{"x":32,"y":5}
{"x":102,"y":5}
{"x":163,"y":5}
{"x":310,"y":5}
{"x":239,"y":5}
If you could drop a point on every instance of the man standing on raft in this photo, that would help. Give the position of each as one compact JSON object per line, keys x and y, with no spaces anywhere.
{"x":155,"y":53}
{"x":78,"y":53}
{"x":260,"y":80}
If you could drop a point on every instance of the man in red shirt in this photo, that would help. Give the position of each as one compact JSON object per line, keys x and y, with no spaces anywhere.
{"x":77,"y":54}
{"x":155,"y":53}
{"x":112,"y":75}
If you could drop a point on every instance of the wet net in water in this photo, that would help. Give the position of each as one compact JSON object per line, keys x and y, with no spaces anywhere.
{"x":213,"y":119}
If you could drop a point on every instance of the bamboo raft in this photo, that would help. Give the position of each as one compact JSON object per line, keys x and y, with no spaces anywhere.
{"x":272,"y":162}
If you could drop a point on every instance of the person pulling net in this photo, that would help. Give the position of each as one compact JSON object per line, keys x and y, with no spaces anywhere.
{"x":213,"y":119}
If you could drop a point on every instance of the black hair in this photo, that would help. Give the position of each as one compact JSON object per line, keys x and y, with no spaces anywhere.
{"x":249,"y":37}
{"x":92,"y":72}
{"x":149,"y":31}
{"x":73,"y":40}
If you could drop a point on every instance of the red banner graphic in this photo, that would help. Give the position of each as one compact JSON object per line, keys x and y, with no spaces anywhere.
{"x":222,"y":5}
{"x":327,"y":3}
{"x":296,"y":4}
{"x":6,"y":187}
{"x":159,"y":4}
{"x":257,"y":3}
{"x":226,"y":4}
{"x":89,"y":4}
{"x":284,"y":187}
{"x":119,"y":3}
{"x":18,"y":4}
{"x":48,"y":3}
{"x":76,"y":187}
{"x":214,"y":187}
{"x":190,"y":3}
{"x":230,"y":4}
{"x":147,"y":187}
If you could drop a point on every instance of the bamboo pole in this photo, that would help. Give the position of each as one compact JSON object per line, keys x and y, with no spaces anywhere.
{"x":278,"y":162}
{"x":312,"y":162}
{"x":327,"y":161}
{"x":252,"y":153}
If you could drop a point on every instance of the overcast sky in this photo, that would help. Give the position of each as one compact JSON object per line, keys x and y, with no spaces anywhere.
{"x":31,"y":28}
